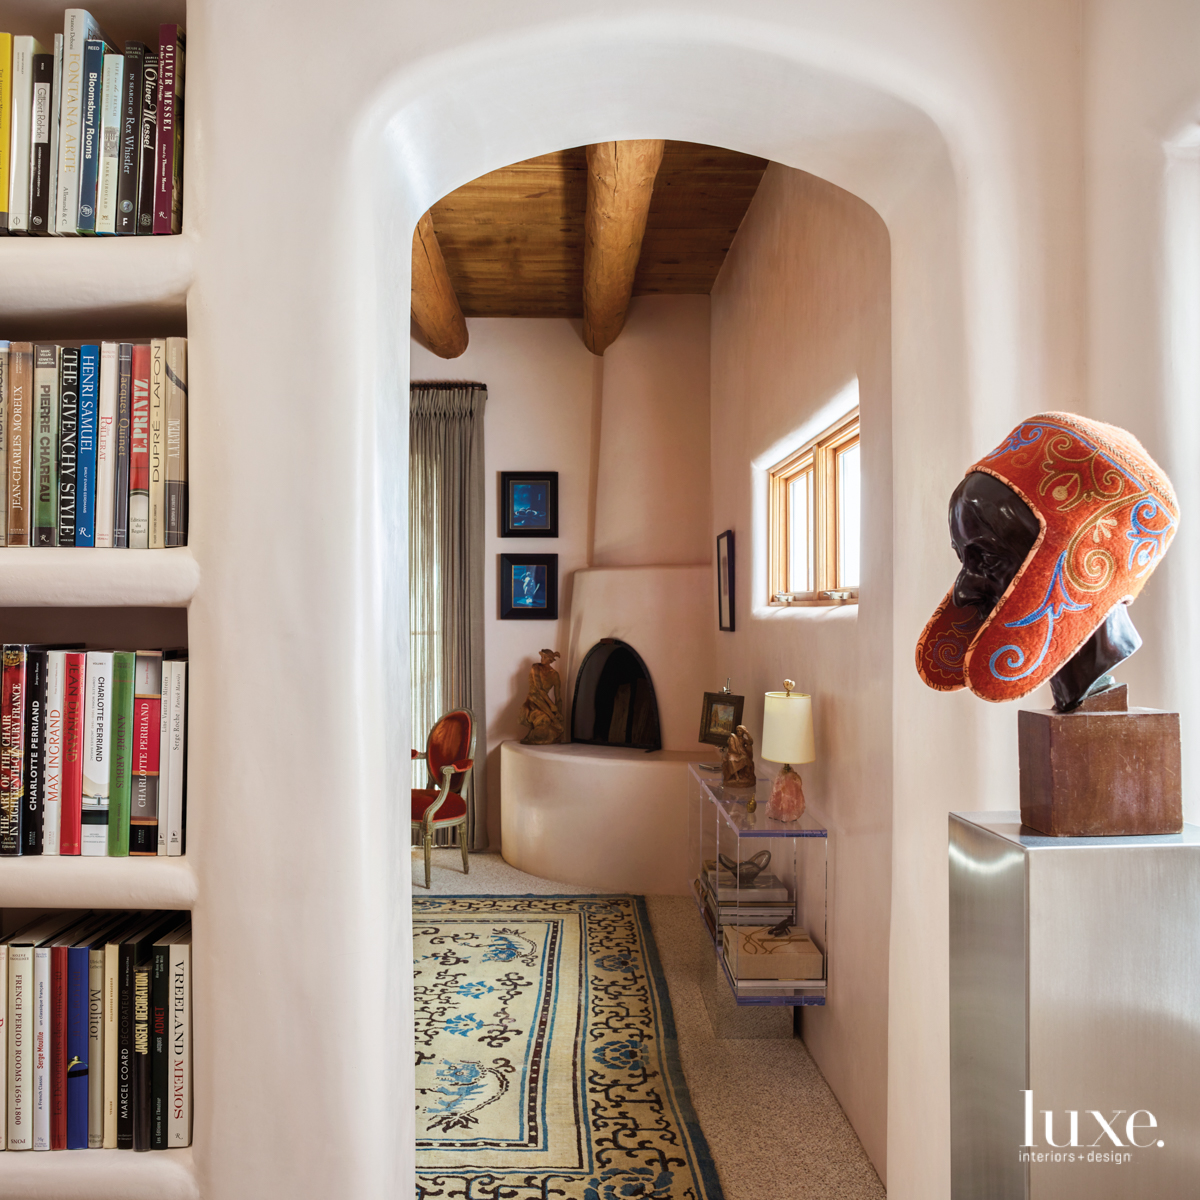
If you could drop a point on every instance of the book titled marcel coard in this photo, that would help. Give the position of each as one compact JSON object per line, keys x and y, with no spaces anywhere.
{"x":94,"y":444}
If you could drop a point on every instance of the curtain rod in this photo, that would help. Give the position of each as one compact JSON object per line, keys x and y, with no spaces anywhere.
{"x":446,"y":383}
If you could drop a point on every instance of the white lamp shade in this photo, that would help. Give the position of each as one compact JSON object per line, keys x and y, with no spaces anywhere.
{"x":787,"y":728}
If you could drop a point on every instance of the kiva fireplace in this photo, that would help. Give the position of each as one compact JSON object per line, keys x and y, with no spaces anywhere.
{"x":615,"y":704}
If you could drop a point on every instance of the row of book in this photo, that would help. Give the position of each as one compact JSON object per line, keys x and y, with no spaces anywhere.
{"x":98,"y":1046}
{"x":93,"y":752}
{"x":766,"y":900}
{"x":91,"y":135}
{"x":93,"y":444}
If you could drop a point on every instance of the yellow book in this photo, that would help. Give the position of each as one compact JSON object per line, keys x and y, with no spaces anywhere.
{"x":5,"y":123}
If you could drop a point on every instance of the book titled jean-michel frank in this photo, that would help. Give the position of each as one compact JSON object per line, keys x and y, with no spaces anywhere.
{"x":78,"y":26}
{"x":168,"y":185}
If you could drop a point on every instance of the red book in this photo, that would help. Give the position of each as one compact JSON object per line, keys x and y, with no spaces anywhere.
{"x":139,"y":450}
{"x":169,"y":149}
{"x":58,"y":1047}
{"x":12,"y":748}
{"x":74,"y":705}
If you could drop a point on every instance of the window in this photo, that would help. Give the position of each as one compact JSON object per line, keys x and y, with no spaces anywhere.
{"x":815,"y":514}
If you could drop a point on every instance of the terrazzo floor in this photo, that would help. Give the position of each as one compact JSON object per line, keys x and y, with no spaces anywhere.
{"x":775,"y":1129}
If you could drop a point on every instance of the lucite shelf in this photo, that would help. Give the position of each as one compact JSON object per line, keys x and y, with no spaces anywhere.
{"x":737,"y":915}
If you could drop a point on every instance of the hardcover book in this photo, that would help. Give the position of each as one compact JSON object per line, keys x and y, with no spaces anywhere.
{"x":158,"y":443}
{"x":121,"y":765}
{"x":78,"y":1048}
{"x":5,"y":121}
{"x":177,"y":771}
{"x":96,"y":756}
{"x":46,"y":991}
{"x":121,"y":446}
{"x":147,"y":143}
{"x":74,"y":714}
{"x":68,"y":445}
{"x":106,"y":431}
{"x":78,"y":27}
{"x":40,"y":149}
{"x":143,"y":1085}
{"x":98,"y":1025}
{"x":111,"y":114}
{"x":139,"y":451}
{"x":164,"y":755}
{"x":56,"y":664}
{"x":23,"y":51}
{"x":168,"y":198}
{"x":176,"y":419}
{"x":89,"y":150}
{"x":44,"y":474}
{"x":171,"y":1048}
{"x":12,"y":748}
{"x":20,"y":417}
{"x":85,"y":460}
{"x":131,"y":158}
{"x":36,"y":663}
{"x":51,"y":229}
{"x":143,"y":801}
{"x":4,"y":443}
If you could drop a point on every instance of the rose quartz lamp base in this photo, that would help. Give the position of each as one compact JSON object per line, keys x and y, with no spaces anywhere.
{"x":787,"y":797}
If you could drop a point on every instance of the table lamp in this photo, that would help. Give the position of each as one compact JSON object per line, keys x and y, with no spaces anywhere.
{"x":787,"y":738}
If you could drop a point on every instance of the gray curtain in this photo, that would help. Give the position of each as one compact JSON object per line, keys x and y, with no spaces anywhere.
{"x":445,"y":562}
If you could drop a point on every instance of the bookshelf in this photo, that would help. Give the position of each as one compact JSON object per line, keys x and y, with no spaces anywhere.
{"x":100,"y":1175}
{"x":76,"y":882}
{"x":87,"y":578}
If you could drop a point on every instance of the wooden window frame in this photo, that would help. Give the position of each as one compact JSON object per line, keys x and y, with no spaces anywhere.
{"x":820,"y":455}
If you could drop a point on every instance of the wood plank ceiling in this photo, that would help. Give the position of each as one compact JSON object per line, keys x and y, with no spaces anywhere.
{"x":513,"y":239}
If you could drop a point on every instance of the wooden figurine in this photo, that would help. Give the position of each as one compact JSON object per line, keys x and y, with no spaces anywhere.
{"x":541,"y":711}
{"x":737,"y":759}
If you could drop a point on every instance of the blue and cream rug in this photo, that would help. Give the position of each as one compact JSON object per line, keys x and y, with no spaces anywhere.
{"x":547,"y":1064}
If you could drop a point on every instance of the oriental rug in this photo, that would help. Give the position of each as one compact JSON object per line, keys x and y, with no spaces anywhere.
{"x":546,"y":1058}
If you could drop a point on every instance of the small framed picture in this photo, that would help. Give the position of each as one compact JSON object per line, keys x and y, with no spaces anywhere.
{"x":725,"y":577}
{"x":721,"y":715}
{"x":529,"y":587}
{"x":529,"y":504}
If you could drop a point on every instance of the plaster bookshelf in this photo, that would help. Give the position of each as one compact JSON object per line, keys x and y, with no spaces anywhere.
{"x":99,"y":1175}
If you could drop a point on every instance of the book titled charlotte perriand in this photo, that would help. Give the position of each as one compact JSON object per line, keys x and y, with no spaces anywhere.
{"x":97,"y":737}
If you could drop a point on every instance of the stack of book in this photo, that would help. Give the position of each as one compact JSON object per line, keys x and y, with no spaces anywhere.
{"x":98,"y":1052}
{"x":93,"y":444}
{"x":765,"y":901}
{"x":93,"y":752}
{"x":91,"y":135}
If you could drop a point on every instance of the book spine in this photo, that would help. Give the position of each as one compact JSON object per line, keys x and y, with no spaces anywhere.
{"x":20,"y":1047}
{"x":139,"y":452}
{"x":89,"y":153}
{"x":68,"y":445}
{"x":95,"y":1078}
{"x":78,"y":27}
{"x":74,"y":712}
{"x":164,"y":756}
{"x":177,"y":418}
{"x":130,"y":160}
{"x":20,"y":416}
{"x":121,"y":446}
{"x":111,"y":113}
{"x":106,"y":439}
{"x":51,"y":229}
{"x":4,"y":1047}
{"x":12,"y":748}
{"x":41,"y":143}
{"x":35,"y":751}
{"x":158,"y":430}
{"x":160,"y":1046}
{"x":112,"y":1009}
{"x":98,"y":731}
{"x":147,"y":143}
{"x":23,"y":50}
{"x":85,"y":461}
{"x":143,"y":800}
{"x":179,"y":1118}
{"x":78,"y":1049}
{"x":121,"y":766}
{"x":6,"y":41}
{"x":168,"y":202}
{"x":4,"y":348}
{"x":52,"y":773}
{"x":59,"y":1047}
{"x":125,"y":1070}
{"x":143,"y":1063}
{"x":44,"y":474}
{"x":45,"y":984}
{"x":177,"y":772}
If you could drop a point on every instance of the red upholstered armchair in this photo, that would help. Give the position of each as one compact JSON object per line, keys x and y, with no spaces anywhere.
{"x":450,"y":755}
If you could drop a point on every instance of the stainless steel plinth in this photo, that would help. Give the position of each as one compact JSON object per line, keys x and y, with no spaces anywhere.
{"x":1074,"y":1014}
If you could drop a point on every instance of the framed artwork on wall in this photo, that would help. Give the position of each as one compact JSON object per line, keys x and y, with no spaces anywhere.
{"x":720,"y":716}
{"x":529,"y":504}
{"x":529,"y":587}
{"x":725,"y":578}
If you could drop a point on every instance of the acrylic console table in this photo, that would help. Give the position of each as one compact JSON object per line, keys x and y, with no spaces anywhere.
{"x":1074,"y":1013}
{"x":720,"y":825}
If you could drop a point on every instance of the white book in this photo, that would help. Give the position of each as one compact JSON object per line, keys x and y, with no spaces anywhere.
{"x":20,"y":144}
{"x":20,"y":1046}
{"x":106,"y":429}
{"x":158,"y":443}
{"x":110,"y":143}
{"x":112,"y":951}
{"x":179,"y":1076}
{"x":78,"y":26}
{"x":3,"y":1045}
{"x":56,"y":674}
{"x":164,"y":753}
{"x":96,"y":737}
{"x":55,"y":115}
{"x":3,"y":454}
{"x":177,"y":786}
{"x":41,"y":1047}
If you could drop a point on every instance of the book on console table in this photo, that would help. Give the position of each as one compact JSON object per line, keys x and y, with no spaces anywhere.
{"x":755,"y":953}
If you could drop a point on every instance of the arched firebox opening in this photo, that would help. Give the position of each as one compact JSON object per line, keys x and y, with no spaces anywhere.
{"x":614,"y":703}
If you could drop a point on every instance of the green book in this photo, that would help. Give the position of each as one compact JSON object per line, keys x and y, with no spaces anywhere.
{"x":120,"y":759}
{"x":44,"y":474}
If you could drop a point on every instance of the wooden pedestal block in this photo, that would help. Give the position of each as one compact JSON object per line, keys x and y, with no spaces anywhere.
{"x":1102,"y":771}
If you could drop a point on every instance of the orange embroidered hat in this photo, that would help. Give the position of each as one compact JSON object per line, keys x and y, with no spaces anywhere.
{"x":1107,"y":514}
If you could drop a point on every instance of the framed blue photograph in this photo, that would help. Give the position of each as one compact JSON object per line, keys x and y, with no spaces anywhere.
{"x":529,"y":504}
{"x":528,"y":587}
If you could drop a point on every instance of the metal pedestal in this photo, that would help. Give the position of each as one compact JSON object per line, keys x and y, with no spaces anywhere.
{"x":1074,"y":989}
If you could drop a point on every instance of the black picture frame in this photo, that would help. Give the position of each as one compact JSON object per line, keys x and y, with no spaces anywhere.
{"x":528,"y":587}
{"x":529,"y":504}
{"x":720,"y":716}
{"x":726,"y":576}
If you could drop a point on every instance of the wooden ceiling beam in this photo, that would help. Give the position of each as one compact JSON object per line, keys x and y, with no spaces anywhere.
{"x":435,"y":307}
{"x":620,"y":183}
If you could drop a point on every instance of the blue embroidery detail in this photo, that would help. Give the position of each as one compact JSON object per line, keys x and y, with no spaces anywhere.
{"x":1049,"y":609}
{"x":631,"y":1183}
{"x":465,"y":1083}
{"x":1147,"y":543}
{"x":474,"y":990}
{"x":464,"y":1024}
{"x":1015,"y":440}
